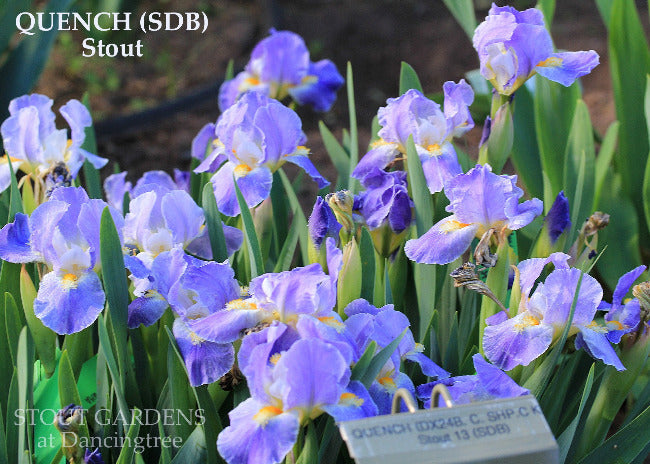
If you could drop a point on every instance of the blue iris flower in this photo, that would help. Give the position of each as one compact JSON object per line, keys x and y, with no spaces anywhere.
{"x":63,"y":234}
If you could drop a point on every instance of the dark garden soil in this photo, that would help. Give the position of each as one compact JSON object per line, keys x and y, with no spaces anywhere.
{"x":374,"y":35}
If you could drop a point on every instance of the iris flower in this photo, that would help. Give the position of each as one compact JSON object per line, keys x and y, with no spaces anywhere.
{"x":489,"y":383}
{"x":251,"y":140}
{"x":432,"y":131}
{"x":62,"y":233}
{"x":280,"y":67}
{"x":289,"y":386}
{"x":479,"y":201}
{"x":622,"y":317}
{"x":366,"y":323}
{"x":514,"y":45}
{"x":518,"y":340}
{"x":272,"y":297}
{"x":35,"y":145}
{"x":162,"y":224}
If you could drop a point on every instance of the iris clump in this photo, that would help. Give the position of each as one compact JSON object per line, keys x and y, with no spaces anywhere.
{"x":314,"y":322}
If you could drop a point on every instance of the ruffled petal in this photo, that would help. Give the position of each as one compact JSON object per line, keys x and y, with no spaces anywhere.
{"x":69,"y":303}
{"x":517,"y":341}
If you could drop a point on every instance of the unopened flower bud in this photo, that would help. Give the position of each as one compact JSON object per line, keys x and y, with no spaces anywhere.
{"x":68,"y":421}
{"x":342,"y":203}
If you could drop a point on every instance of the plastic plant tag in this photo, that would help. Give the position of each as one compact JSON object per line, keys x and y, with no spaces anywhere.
{"x":505,"y":431}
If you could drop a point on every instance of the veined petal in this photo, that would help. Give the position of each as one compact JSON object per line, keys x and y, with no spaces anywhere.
{"x":258,"y":433}
{"x":530,"y":269}
{"x":225,"y":326}
{"x":311,"y":374}
{"x":183,"y":217}
{"x":69,"y":303}
{"x":495,"y":381}
{"x":443,"y":243}
{"x":206,"y":362}
{"x":439,"y":166}
{"x":517,"y":341}
{"x":559,"y":289}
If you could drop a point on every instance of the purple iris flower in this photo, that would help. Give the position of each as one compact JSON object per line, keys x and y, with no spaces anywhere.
{"x":254,"y":138}
{"x":289,"y":386}
{"x":279,"y":297}
{"x":35,"y":145}
{"x":366,"y":323}
{"x":479,"y":201}
{"x":116,"y":185}
{"x":163,"y":222}
{"x":622,"y":318}
{"x":512,"y":46}
{"x":512,"y":341}
{"x":385,"y":201}
{"x":432,"y":131}
{"x":160,"y":219}
{"x":62,"y":233}
{"x":489,"y":383}
{"x":280,"y":67}
{"x":194,"y":289}
{"x":322,"y":223}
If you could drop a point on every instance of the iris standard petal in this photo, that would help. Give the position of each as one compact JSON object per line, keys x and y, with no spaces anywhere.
{"x":316,"y":375}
